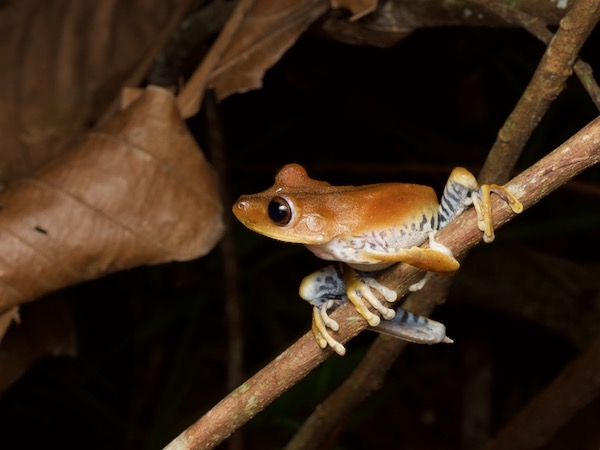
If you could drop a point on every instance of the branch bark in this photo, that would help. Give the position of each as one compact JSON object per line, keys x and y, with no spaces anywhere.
{"x":538,"y":28}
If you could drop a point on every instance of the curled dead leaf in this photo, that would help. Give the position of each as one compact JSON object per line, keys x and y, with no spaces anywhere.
{"x":62,"y":64}
{"x":255,"y":37}
{"x":136,"y":191}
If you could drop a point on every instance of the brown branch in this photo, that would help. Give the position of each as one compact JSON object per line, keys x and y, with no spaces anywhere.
{"x":575,"y":155}
{"x":539,"y":29}
{"x":576,"y":386}
{"x":547,"y":82}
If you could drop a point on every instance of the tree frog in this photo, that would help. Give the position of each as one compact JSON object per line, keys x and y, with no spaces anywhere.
{"x":366,"y":229}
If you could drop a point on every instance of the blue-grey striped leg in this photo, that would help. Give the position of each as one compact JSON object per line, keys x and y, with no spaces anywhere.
{"x":413,"y":328}
{"x":463,"y":190}
{"x":457,"y":194}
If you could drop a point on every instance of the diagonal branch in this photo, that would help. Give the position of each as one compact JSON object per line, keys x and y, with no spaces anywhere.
{"x":547,"y":82}
{"x":539,"y":29}
{"x":575,"y":155}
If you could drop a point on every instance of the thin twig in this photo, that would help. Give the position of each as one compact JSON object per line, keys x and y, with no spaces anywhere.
{"x":575,"y":155}
{"x":547,"y":82}
{"x":230,"y":262}
{"x":539,"y":29}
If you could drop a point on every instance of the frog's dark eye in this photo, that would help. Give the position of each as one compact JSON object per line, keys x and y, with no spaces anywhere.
{"x":280,"y":211}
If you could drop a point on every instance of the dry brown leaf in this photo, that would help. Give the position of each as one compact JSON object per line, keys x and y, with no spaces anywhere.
{"x":62,"y":62}
{"x":136,"y":191}
{"x":359,"y":8}
{"x":268,"y":30}
{"x":255,"y":37}
{"x":7,"y":318}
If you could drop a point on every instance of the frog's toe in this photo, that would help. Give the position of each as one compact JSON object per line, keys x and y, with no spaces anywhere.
{"x":328,"y":321}
{"x":508,"y":197}
{"x":366,"y":292}
{"x":388,"y":294}
{"x":321,"y":334}
{"x":356,"y":295}
{"x":483,"y":206}
{"x":321,"y":341}
{"x":421,"y":283}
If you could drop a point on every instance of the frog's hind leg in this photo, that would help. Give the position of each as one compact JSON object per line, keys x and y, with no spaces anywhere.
{"x":463,"y":190}
{"x":457,"y":195}
{"x":412,"y":327}
{"x":325,"y":290}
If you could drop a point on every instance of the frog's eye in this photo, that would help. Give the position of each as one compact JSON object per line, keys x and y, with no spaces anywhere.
{"x":280,"y":211}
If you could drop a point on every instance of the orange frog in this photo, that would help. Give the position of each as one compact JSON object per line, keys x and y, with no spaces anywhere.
{"x":367,"y":228}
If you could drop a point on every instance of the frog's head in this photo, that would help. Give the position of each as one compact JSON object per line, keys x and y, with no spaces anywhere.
{"x":295,"y":209}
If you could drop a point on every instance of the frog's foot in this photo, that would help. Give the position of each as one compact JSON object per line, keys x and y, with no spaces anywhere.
{"x":483,"y":206}
{"x":360,"y":288}
{"x":414,"y":328}
{"x":321,"y":321}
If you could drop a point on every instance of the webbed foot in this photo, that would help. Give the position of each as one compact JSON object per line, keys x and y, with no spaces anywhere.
{"x":359,"y":289}
{"x":331,"y":286}
{"x":483,"y":206}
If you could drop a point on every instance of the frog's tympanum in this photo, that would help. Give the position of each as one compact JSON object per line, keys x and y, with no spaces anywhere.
{"x":367,"y":228}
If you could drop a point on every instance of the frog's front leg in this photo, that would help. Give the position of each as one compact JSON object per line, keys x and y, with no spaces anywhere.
{"x":327,"y":288}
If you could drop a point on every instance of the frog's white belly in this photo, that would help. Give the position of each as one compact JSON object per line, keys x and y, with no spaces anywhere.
{"x":363,"y":249}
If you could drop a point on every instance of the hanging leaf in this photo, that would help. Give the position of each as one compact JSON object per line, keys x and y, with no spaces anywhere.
{"x":136,"y":191}
{"x":255,"y":37}
{"x":63,"y":62}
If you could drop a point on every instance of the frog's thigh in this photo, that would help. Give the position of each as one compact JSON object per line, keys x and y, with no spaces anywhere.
{"x":424,"y":259}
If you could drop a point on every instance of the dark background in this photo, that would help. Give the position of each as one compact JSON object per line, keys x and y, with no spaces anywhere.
{"x":152,"y":347}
